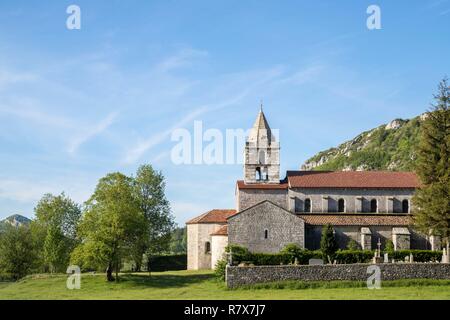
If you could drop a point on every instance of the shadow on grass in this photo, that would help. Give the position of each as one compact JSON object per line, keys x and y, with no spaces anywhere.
{"x":164,"y":281}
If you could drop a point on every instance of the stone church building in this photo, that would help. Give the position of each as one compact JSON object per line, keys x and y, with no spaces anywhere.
{"x":366,"y":206}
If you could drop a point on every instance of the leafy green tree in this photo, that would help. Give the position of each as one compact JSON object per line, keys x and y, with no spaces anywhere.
{"x":389,"y":246}
{"x":149,"y":188}
{"x":432,"y":199}
{"x":352,"y":245}
{"x":111,"y":226}
{"x":179,"y":241}
{"x":17,"y":251}
{"x":328,"y":244}
{"x":55,"y":226}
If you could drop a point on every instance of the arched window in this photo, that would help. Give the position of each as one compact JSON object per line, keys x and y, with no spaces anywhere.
{"x":207,"y":247}
{"x":264,"y":175}
{"x":262,"y":157}
{"x":373,"y":205}
{"x":341,"y":205}
{"x":405,"y":206}
{"x":307,"y":205}
{"x":258,"y":174}
{"x":266,"y":234}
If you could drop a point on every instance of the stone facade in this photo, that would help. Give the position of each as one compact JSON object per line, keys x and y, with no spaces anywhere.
{"x":218,"y":245}
{"x":247,"y":198}
{"x":356,"y":200}
{"x":266,"y":227}
{"x":239,"y":276}
{"x":199,"y":256}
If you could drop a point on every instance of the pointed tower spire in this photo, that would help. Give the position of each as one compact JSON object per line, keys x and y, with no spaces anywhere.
{"x":261,"y":155}
{"x":261,"y":129}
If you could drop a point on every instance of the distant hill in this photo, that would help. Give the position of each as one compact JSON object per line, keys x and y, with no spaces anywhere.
{"x":387,"y":147}
{"x":15,"y":220}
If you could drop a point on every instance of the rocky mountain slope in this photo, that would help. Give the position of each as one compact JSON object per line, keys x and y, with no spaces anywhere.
{"x":15,"y":220}
{"x":387,"y":147}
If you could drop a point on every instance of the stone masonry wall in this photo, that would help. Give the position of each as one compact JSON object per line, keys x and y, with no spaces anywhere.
{"x":356,"y":200}
{"x":238,"y":276}
{"x":250,"y":227}
{"x":218,"y":245}
{"x":197,"y":237}
{"x":249,"y":197}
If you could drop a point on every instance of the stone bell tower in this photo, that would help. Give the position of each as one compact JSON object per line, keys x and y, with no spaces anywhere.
{"x":262,"y":153}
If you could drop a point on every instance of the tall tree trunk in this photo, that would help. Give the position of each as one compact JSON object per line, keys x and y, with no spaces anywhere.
{"x":109,"y":275}
{"x":448,"y":248}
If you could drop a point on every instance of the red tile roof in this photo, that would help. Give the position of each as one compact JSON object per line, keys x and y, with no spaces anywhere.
{"x":213,"y":216}
{"x":352,"y":179}
{"x":223,"y":231}
{"x":272,"y":186}
{"x":356,"y":219}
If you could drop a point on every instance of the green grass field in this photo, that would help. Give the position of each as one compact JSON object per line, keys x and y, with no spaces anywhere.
{"x":192,"y":285}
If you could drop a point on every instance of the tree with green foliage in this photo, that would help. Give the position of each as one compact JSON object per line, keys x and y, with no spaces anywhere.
{"x":432,"y":199}
{"x":352,"y":245}
{"x":178,"y":242}
{"x":111,"y":226}
{"x":389,"y":246}
{"x":328,"y":244}
{"x":17,"y":251}
{"x":149,"y":191}
{"x":55,"y":226}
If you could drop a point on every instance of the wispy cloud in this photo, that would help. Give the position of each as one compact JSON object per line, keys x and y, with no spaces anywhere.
{"x":8,"y":77}
{"x":28,"y":190}
{"x":136,"y":152}
{"x":308,"y":74}
{"x":91,"y":132}
{"x":183,"y":58}
{"x":22,"y":191}
{"x":28,"y":110}
{"x":436,"y":3}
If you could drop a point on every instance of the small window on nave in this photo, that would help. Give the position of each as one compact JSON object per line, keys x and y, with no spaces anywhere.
{"x":373,"y":206}
{"x":307,"y":205}
{"x":207,"y":247}
{"x":341,"y":205}
{"x":266,"y":234}
{"x":405,"y":206}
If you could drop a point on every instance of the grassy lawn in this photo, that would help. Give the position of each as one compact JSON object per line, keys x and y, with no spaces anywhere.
{"x":202,"y":285}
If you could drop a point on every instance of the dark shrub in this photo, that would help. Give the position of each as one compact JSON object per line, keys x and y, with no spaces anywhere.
{"x":353,"y":256}
{"x":418,"y":255}
{"x":328,"y":244}
{"x":219,"y":269}
{"x":167,"y":262}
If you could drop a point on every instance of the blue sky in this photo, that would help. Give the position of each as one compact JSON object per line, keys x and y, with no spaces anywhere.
{"x":77,"y":104}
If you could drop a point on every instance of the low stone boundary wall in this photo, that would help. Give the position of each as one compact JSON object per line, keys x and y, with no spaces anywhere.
{"x":238,"y":276}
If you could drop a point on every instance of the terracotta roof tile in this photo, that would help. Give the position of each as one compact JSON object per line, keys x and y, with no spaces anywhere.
{"x":242,"y":185}
{"x":352,"y":179}
{"x":357,"y":219}
{"x":213,"y":216}
{"x":223,"y":231}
